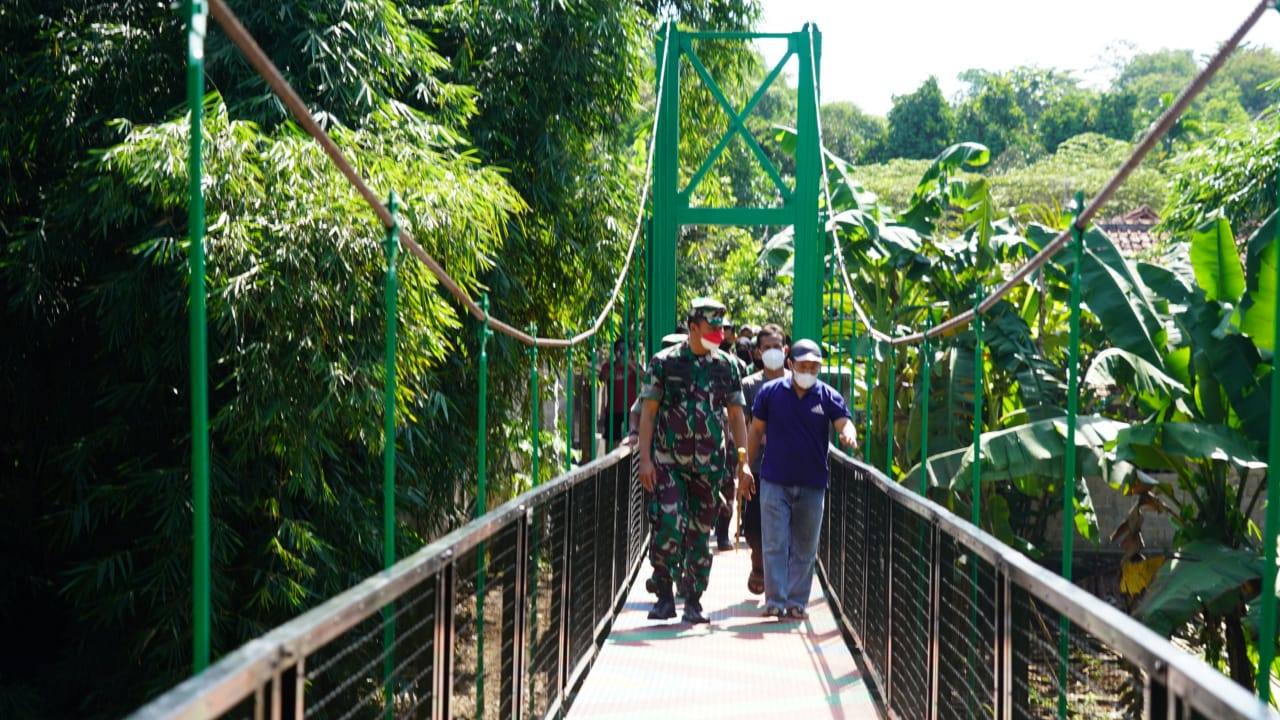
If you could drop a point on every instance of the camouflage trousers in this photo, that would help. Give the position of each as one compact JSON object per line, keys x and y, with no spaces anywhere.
{"x":686,"y":503}
{"x":728,"y":487}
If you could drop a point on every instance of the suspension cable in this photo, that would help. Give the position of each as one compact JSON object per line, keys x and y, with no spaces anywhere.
{"x":826,"y":193}
{"x":1158,"y":130}
{"x":252,"y":52}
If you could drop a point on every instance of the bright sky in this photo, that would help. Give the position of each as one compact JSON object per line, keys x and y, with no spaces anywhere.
{"x":875,"y":49}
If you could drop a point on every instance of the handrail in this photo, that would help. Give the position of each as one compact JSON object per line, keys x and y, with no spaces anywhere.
{"x":1171,"y":675}
{"x":247,"y":670}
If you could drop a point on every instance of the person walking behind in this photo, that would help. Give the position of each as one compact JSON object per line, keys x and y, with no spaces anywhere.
{"x":681,"y":454}
{"x":797,"y":413}
{"x":621,"y":381}
{"x":772,"y":343}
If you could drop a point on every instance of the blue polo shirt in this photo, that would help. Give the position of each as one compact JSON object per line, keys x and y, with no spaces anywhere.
{"x":798,"y":429}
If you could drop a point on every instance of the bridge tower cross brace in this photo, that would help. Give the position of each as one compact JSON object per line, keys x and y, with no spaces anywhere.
{"x":671,"y":203}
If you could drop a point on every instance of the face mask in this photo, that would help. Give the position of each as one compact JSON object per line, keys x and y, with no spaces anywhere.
{"x":804,"y":380}
{"x":772,"y":358}
{"x":712,"y":340}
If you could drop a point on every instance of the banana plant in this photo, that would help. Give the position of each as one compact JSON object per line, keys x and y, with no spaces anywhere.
{"x":1205,"y":425}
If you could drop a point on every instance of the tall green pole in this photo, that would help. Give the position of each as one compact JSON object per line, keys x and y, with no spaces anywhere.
{"x":595,"y":413}
{"x":661,"y":251}
{"x":568,"y":416}
{"x":482,"y":495}
{"x":1069,"y":473}
{"x":853,"y":364}
{"x":807,"y":309}
{"x":611,"y":402}
{"x":869,"y":375}
{"x":535,"y":429}
{"x":391,"y":244}
{"x":975,"y":480}
{"x":926,"y":363}
{"x":975,"y":476}
{"x":482,"y":412}
{"x":1267,"y":627}
{"x":890,"y":410}
{"x":197,"y":17}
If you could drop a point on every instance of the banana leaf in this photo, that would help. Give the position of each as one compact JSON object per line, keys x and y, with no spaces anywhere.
{"x":1035,"y":449}
{"x":1117,"y":367}
{"x":1152,"y":445}
{"x":1203,"y":575}
{"x":1216,"y":261}
{"x":1260,"y":302}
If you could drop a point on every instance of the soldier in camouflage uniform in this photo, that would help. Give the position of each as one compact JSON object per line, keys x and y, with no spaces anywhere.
{"x":682,"y":456}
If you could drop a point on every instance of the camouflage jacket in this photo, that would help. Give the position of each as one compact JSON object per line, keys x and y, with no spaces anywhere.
{"x":693,"y":393}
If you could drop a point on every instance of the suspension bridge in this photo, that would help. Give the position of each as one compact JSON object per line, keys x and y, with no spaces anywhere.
{"x":531,"y":610}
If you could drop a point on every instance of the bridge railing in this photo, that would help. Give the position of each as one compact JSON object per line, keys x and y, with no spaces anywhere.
{"x":955,"y":624}
{"x":548,"y":571}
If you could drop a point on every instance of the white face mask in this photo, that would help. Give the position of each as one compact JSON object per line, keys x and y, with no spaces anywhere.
{"x":772,"y":358}
{"x":710,"y":345}
{"x":804,"y":380}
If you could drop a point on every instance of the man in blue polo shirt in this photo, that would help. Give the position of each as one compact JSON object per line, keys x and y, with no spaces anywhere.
{"x":798,"y":412}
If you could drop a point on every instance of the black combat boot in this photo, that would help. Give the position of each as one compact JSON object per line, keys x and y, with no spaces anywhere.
{"x":693,"y":609}
{"x":722,"y":533}
{"x":665,"y":607}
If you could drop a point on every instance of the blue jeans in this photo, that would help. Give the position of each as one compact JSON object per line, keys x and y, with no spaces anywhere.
{"x":790,"y":519}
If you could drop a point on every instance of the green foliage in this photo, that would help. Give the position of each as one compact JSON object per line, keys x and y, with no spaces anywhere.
{"x":993,"y":118}
{"x":426,"y":100}
{"x":1233,"y":171}
{"x":852,"y":135}
{"x":921,"y":124}
{"x":1085,"y":162}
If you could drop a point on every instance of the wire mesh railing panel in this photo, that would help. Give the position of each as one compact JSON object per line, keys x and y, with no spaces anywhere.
{"x":854,"y":548}
{"x":612,"y":557}
{"x":911,"y":550}
{"x":501,"y":622}
{"x":826,"y":552}
{"x":545,"y":605}
{"x":1099,"y":683}
{"x":966,"y":632}
{"x":875,"y":641}
{"x":584,"y":548}
{"x":956,"y":624}
{"x":466,"y":646}
{"x":637,"y":521}
{"x":347,"y":678}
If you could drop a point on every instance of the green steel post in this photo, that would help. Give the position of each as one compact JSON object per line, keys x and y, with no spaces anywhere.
{"x":391,"y":244}
{"x":197,"y":18}
{"x":626,"y":352}
{"x":869,"y":375}
{"x":890,"y":410}
{"x":611,"y":402}
{"x":828,"y":310}
{"x":535,"y":426}
{"x":666,"y":188}
{"x":975,"y":480}
{"x":482,"y":413}
{"x":1069,"y":473}
{"x":975,"y":477}
{"x":1267,"y":627}
{"x":482,"y":497}
{"x":595,"y":412}
{"x":926,"y":362}
{"x":853,"y":364}
{"x":807,"y":309}
{"x":568,"y":417}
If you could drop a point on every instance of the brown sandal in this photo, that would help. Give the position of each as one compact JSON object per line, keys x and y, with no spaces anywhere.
{"x":755,"y":583}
